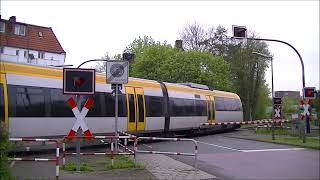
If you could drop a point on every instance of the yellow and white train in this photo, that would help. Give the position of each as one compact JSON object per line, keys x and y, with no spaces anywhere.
{"x":32,"y":104}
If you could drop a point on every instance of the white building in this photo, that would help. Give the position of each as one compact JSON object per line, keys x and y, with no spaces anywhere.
{"x":31,"y":44}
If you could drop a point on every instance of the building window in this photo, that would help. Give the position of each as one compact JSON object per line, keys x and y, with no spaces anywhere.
{"x":41,"y":55}
{"x":40,"y":34}
{"x":2,"y":50}
{"x":2,"y":26}
{"x":25,"y":54}
{"x":17,"y":52}
{"x":20,"y":29}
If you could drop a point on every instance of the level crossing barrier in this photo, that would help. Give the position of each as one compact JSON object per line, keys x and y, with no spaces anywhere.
{"x":246,"y":122}
{"x":195,"y":153}
{"x":56,"y":159}
{"x":112,"y":152}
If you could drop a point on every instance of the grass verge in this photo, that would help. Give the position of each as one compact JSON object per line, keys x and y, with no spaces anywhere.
{"x":83,"y":167}
{"x":311,"y":142}
{"x":120,"y":162}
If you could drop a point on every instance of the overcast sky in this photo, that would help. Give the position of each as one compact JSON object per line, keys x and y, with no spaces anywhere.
{"x":87,"y":30}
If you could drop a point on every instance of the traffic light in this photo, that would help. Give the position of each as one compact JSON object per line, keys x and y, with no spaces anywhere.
{"x":277,"y":101}
{"x":78,"y":81}
{"x":309,"y":93}
{"x":239,"y":31}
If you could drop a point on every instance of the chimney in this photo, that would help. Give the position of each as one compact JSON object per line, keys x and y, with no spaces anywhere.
{"x":12,"y":19}
{"x":178,"y":44}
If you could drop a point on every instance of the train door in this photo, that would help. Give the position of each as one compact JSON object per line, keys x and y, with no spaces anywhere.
{"x":3,"y":101}
{"x":210,"y":109}
{"x":136,"y":109}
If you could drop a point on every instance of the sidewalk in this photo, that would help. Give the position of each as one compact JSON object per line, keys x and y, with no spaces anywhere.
{"x":156,"y":167}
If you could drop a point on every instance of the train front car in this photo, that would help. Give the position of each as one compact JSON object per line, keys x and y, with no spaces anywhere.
{"x":191,"y":105}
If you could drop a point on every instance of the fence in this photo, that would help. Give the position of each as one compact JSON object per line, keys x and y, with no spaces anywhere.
{"x":173,"y":153}
{"x":112,"y":153}
{"x":246,"y":122}
{"x":56,"y":159}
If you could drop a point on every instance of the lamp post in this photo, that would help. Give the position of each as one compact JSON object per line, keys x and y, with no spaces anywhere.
{"x":271,"y":58}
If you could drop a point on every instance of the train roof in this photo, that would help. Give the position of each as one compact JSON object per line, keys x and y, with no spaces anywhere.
{"x":57,"y":73}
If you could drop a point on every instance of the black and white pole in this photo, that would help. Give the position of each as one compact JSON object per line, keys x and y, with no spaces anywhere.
{"x":116,"y":117}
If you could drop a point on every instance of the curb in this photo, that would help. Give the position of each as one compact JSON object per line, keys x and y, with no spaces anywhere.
{"x":262,"y":140}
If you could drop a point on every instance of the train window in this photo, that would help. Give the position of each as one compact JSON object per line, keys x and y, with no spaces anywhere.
{"x":110,"y":105}
{"x":227,"y":104}
{"x":97,"y":108}
{"x":30,"y":102}
{"x":141,"y":108}
{"x":177,"y":107}
{"x":154,"y":106}
{"x":59,"y":106}
{"x":219,"y":104}
{"x":189,"y":107}
{"x":201,"y":109}
{"x":131,"y":108}
{"x":1,"y":104}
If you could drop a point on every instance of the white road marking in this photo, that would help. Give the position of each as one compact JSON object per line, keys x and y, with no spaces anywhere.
{"x":12,"y":163}
{"x":147,"y":146}
{"x":220,"y":146}
{"x":265,"y":150}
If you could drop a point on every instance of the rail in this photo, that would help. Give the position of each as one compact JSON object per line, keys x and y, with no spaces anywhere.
{"x":56,"y":159}
{"x":195,"y":154}
{"x":112,"y":153}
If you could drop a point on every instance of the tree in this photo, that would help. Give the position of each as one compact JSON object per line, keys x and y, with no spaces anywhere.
{"x":247,"y":70}
{"x":165,"y":63}
{"x":195,"y":36}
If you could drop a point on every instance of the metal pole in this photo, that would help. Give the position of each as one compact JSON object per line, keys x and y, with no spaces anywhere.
{"x":116,"y":118}
{"x":307,"y":129}
{"x":78,"y":139}
{"x":273,"y":138}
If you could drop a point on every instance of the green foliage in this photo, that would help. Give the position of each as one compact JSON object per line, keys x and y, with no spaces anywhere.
{"x":164,"y":63}
{"x":311,"y":142}
{"x":316,"y":104}
{"x":4,"y":149}
{"x":263,"y":102}
{"x":121,"y":162}
{"x":277,"y":131}
{"x":289,"y":106}
{"x":84,"y":167}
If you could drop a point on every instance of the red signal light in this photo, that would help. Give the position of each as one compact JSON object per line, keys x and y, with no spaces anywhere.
{"x":78,"y":81}
{"x":309,"y":92}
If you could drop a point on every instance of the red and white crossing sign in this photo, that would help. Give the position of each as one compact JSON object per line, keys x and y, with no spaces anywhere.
{"x":80,"y":116}
{"x":305,"y":107}
{"x":277,"y":112}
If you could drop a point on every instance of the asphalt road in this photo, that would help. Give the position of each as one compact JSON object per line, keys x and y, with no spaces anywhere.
{"x":231,"y":158}
{"x":219,"y":155}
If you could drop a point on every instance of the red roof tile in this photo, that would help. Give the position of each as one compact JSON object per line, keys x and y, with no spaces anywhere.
{"x":48,"y":42}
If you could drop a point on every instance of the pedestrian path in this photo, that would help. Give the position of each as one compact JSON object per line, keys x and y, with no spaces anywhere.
{"x":164,"y":167}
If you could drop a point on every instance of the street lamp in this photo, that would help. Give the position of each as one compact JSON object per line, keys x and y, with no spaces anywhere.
{"x":271,"y":58}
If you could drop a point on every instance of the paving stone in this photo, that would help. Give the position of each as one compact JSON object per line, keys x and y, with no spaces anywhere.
{"x":164,"y":167}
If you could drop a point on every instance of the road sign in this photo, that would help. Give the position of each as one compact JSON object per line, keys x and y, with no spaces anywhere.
{"x":117,"y":72}
{"x":239,"y":31}
{"x":78,"y":81}
{"x":309,"y":93}
{"x":277,"y":101}
{"x":305,"y":107}
{"x":80,"y":116}
{"x":277,"y":112}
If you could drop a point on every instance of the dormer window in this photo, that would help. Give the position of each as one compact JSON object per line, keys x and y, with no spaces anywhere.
{"x":2,"y":26}
{"x":20,"y":30}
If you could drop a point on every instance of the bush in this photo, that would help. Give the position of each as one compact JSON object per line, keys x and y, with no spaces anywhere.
{"x":4,"y":149}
